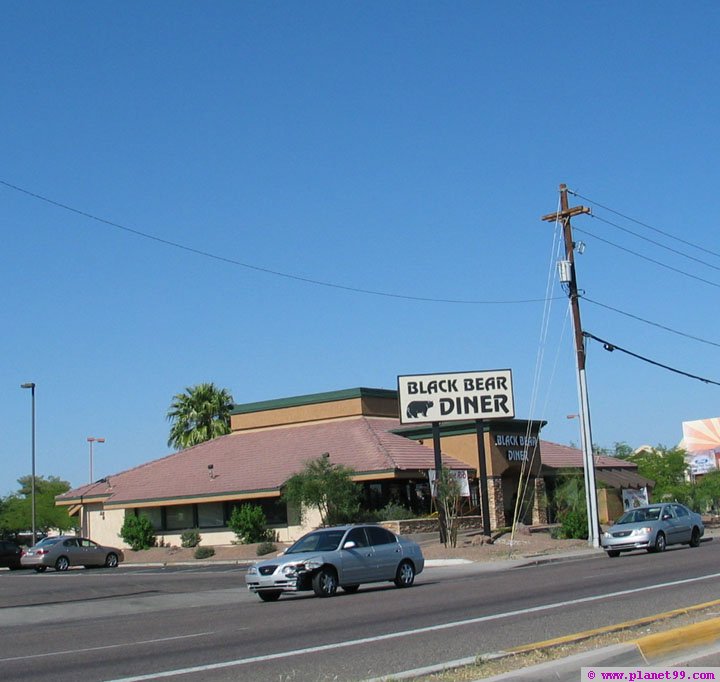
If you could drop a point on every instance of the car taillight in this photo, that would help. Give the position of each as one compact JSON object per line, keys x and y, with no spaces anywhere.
{"x":41,"y":551}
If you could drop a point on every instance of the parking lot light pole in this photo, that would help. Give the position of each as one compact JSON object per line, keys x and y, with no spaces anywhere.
{"x":31,"y":386}
{"x":91,"y":440}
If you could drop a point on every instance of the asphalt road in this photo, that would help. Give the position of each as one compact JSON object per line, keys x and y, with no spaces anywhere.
{"x":201,"y":623}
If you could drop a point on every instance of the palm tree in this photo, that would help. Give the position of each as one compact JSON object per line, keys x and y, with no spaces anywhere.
{"x":199,"y":414}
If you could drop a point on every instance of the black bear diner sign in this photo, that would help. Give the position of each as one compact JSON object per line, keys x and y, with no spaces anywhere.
{"x":457,"y":396}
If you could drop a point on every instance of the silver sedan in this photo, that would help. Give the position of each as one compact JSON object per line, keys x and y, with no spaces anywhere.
{"x":343,"y":556}
{"x":653,"y":528}
{"x":64,"y":551}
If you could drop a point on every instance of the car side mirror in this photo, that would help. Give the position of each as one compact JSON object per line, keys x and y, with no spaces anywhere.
{"x":349,"y":545}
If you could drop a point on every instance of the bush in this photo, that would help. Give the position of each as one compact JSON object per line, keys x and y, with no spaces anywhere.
{"x":204,"y":552}
{"x":138,"y":532}
{"x":266,"y":548}
{"x":249,"y":524}
{"x":190,"y":538}
{"x":574,"y":525}
{"x":394,"y":512}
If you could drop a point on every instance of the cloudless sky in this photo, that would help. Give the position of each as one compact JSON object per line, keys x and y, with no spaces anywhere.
{"x":406,"y":148}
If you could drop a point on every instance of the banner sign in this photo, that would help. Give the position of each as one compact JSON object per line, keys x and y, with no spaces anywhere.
{"x":460,"y":475}
{"x":456,"y":396}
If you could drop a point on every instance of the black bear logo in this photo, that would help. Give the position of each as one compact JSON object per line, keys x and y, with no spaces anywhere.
{"x":417,"y":407}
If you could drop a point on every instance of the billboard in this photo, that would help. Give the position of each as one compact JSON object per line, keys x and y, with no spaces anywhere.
{"x":456,"y":396}
{"x":701,"y":441}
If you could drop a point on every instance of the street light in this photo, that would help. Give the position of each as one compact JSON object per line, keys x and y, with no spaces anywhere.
{"x":31,"y":386}
{"x":92,"y":440}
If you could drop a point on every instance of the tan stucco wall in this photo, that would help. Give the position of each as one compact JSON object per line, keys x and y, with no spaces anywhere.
{"x":104,"y":525}
{"x":337,"y":409}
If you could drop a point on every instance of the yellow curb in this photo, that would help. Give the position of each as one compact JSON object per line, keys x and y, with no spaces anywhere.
{"x":689,"y":636}
{"x":586,"y":634}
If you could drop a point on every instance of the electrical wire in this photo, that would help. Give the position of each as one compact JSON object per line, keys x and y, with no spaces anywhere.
{"x":654,"y":324}
{"x":656,"y":243}
{"x":257,"y":268}
{"x":650,"y":260}
{"x":608,"y":346}
{"x":646,"y":225}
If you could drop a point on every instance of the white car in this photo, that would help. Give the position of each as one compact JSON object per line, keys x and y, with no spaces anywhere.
{"x":342,"y":556}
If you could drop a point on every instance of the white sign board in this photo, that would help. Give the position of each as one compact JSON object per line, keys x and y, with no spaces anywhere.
{"x":460,"y":475}
{"x":634,"y":498}
{"x":456,"y":396}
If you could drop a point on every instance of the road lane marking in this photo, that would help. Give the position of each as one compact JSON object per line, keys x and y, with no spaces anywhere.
{"x":109,"y":646}
{"x":405,"y":633}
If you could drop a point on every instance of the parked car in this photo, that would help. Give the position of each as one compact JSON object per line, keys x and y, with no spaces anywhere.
{"x":344,"y":556}
{"x":10,"y":555}
{"x":64,"y":551}
{"x":653,"y":528}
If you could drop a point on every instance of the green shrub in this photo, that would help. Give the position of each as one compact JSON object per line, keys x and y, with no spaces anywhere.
{"x":394,"y":512}
{"x":204,"y":552}
{"x":574,"y":525}
{"x":249,"y":524}
{"x":190,"y":538}
{"x":266,"y":548}
{"x":138,"y":532}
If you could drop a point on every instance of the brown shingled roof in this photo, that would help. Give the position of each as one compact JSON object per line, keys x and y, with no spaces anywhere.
{"x":255,"y":461}
{"x":559,"y":456}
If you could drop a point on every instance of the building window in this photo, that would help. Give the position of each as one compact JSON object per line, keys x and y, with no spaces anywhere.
{"x":211,"y":515}
{"x":179,"y":517}
{"x":152,"y":513}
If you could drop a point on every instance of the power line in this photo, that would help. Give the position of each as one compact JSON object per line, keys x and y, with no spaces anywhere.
{"x":654,"y":324}
{"x":650,"y":260}
{"x":612,"y":347}
{"x":656,"y":243}
{"x":258,"y":268}
{"x":649,"y":227}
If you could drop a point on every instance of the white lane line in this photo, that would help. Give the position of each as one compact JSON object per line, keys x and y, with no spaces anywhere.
{"x":108,"y":646}
{"x":406,"y":633}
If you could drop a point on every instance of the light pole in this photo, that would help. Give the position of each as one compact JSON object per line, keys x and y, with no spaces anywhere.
{"x":92,"y":440}
{"x":31,"y":386}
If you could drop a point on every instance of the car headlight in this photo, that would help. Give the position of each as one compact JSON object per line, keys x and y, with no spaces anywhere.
{"x":252,"y":570}
{"x":290,"y":571}
{"x":312,"y":564}
{"x":642,"y":531}
{"x":607,"y":535}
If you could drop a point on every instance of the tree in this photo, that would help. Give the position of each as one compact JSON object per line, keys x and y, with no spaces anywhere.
{"x":16,"y":509}
{"x":198,"y":415}
{"x":326,"y":487}
{"x":449,"y":500}
{"x":666,"y":467}
{"x":571,"y":504}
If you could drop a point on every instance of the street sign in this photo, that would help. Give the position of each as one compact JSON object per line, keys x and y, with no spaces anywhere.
{"x":456,"y":396}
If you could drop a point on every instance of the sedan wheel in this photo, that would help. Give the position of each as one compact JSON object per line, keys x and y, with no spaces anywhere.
{"x":405,"y":575}
{"x":325,"y":583}
{"x":62,"y":564}
{"x":695,"y":537}
{"x":660,"y":543}
{"x":111,"y":561}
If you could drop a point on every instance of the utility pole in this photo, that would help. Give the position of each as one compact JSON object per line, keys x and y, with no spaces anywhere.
{"x":568,"y":276}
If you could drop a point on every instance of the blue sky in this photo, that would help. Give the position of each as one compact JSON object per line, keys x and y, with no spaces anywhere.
{"x":403,"y":148}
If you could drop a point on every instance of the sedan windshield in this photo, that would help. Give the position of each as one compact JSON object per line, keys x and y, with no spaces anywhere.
{"x":640,"y":515}
{"x":319,"y":541}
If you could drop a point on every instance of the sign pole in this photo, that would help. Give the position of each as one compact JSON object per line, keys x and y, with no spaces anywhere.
{"x":485,"y":503}
{"x":438,"y":471}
